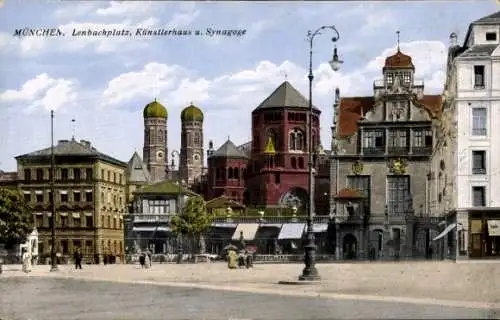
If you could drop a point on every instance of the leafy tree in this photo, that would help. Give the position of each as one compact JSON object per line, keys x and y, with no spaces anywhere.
{"x":15,"y":217}
{"x":193,"y":221}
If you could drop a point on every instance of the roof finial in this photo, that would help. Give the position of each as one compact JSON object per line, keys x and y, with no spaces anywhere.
{"x":73,"y":121}
{"x":191,"y":102}
{"x":286,"y":76}
{"x":397,"y":33}
{"x":228,"y":138}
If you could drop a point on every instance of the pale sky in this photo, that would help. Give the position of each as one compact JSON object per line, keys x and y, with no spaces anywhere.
{"x":104,"y":83}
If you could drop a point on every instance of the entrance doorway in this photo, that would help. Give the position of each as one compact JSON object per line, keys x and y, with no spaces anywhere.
{"x":349,"y":246}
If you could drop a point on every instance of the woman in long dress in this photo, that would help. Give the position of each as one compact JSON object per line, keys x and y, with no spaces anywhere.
{"x":232,"y":259}
{"x":26,"y":256}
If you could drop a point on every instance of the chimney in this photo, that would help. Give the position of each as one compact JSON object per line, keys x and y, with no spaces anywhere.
{"x":85,"y":143}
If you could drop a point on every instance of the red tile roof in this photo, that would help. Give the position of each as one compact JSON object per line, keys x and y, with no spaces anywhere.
{"x":353,"y":108}
{"x":348,"y":193}
{"x":399,"y":60}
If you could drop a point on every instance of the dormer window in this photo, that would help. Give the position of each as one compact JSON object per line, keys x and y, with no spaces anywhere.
{"x":389,"y":78}
{"x":406,"y":78}
{"x":491,"y":36}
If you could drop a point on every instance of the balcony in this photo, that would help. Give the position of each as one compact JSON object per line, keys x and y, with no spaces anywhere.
{"x":151,"y":218}
{"x":271,"y":220}
{"x":397,"y":151}
{"x":377,"y":151}
{"x":380,"y":83}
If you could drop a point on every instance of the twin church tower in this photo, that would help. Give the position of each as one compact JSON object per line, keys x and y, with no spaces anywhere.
{"x":155,"y":151}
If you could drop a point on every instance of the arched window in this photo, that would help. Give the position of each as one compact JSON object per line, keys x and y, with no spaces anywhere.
{"x":160,"y":136}
{"x":109,"y":221}
{"x":244,"y":173}
{"x":196,"y":138}
{"x":230,"y":173}
{"x":236,"y":173}
{"x":294,"y":163}
{"x":223,"y":174}
{"x":296,"y":140}
{"x":301,"y":163}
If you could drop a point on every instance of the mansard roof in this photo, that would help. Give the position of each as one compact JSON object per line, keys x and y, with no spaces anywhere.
{"x":284,"y":96}
{"x":398,"y":60}
{"x":229,"y":150}
{"x":352,"y":109}
{"x":72,"y":148}
{"x":137,"y":170}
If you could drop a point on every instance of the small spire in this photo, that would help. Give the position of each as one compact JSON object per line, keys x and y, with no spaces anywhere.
{"x":191,"y":103}
{"x":397,"y":33}
{"x":155,"y":99}
{"x":73,"y":121}
{"x":286,"y":76}
{"x":228,"y":138}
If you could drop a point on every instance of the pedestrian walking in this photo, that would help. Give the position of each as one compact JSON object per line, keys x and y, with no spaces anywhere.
{"x":77,"y":256}
{"x":26,"y":257}
{"x":142,"y":259}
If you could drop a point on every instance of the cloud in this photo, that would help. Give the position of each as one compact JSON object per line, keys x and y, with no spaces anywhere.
{"x":125,"y":9}
{"x":42,"y":92}
{"x":184,"y":17}
{"x":73,"y":10}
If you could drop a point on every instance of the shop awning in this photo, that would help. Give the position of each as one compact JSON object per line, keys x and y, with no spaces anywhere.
{"x":320,"y":227}
{"x":292,"y":231}
{"x":150,"y":229}
{"x":249,"y":230}
{"x":445,"y":231}
{"x":225,"y":225}
{"x":494,"y":228}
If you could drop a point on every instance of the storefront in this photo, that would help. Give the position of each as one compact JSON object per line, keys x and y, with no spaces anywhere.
{"x":484,"y":235}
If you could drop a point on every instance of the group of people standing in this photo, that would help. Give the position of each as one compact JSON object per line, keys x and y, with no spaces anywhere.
{"x":243,"y":259}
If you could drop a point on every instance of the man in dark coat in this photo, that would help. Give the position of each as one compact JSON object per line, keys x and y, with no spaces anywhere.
{"x":78,"y":259}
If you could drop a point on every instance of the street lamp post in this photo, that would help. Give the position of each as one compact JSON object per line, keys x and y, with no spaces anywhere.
{"x":310,"y":273}
{"x":180,"y":250}
{"x":53,"y":257}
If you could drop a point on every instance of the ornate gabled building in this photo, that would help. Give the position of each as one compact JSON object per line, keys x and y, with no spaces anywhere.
{"x":381,"y":149}
{"x":227,"y":169}
{"x":155,"y":150}
{"x":277,"y":171}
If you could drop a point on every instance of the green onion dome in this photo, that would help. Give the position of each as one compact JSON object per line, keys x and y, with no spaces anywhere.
{"x":191,"y":113}
{"x":155,"y":110}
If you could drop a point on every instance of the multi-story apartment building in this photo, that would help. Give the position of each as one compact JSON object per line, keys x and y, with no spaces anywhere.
{"x":379,"y":161}
{"x":89,"y":198}
{"x":466,"y":160}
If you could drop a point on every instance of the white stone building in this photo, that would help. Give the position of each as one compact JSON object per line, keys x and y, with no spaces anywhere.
{"x":465,"y":177}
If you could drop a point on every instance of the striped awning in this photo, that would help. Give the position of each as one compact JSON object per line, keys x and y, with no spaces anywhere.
{"x":320,"y":227}
{"x":88,"y":190}
{"x":225,"y":225}
{"x":38,"y":192}
{"x":248,"y":229}
{"x":75,"y":214}
{"x":151,"y":229}
{"x":445,"y":231}
{"x":63,"y":214}
{"x":292,"y":231}
{"x":63,"y":192}
{"x":26,"y":192}
{"x":89,"y":214}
